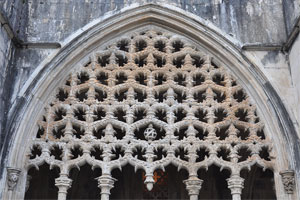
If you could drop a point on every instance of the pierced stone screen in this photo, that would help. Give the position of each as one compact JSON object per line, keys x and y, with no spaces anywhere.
{"x":151,"y":99}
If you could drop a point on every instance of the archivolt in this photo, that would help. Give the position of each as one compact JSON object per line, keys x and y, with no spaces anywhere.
{"x":75,"y":53}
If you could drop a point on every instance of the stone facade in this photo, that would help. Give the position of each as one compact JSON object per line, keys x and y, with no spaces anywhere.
{"x":40,"y":28}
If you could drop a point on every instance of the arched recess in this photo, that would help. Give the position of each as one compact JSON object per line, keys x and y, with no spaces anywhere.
{"x":53,"y":71}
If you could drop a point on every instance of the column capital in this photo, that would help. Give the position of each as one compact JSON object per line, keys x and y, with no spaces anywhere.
{"x":235,"y":184}
{"x":193,"y":185}
{"x":12,"y":177}
{"x":106,"y":183}
{"x":63,"y":181}
{"x":288,"y":180}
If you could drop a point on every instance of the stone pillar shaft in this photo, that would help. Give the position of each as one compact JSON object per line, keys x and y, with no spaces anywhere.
{"x":63,"y":183}
{"x":106,"y":183}
{"x":236,"y":185}
{"x":193,"y":186}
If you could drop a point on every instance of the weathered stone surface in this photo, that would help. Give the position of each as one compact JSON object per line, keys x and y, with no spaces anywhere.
{"x":291,"y":10}
{"x":295,"y":74}
{"x":54,"y":20}
{"x":250,"y":22}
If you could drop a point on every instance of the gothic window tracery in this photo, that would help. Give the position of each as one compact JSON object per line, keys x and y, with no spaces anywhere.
{"x":150,"y":99}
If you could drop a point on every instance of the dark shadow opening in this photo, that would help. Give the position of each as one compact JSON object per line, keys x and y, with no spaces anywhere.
{"x":197,"y":61}
{"x":140,"y":45}
{"x":102,"y":77}
{"x":139,"y":114}
{"x":178,"y":62}
{"x":214,"y":184}
{"x":160,"y":46}
{"x":121,"y":60}
{"x":200,"y":96}
{"x":58,"y":131}
{"x":177,"y":46}
{"x":140,"y":95}
{"x":62,"y":94}
{"x":121,"y":78}
{"x":130,"y":185}
{"x":181,"y":133}
{"x":123,"y":45}
{"x":160,"y":79}
{"x":103,"y":60}
{"x":258,"y":184}
{"x":84,"y":185}
{"x":159,"y":61}
{"x":83,"y":77}
{"x":141,"y":78}
{"x":42,"y":183}
{"x":198,"y":79}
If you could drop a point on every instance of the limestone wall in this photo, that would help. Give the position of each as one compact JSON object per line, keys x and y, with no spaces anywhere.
{"x":54,"y":20}
{"x":291,"y":10}
{"x":294,"y":60}
{"x":5,"y":52}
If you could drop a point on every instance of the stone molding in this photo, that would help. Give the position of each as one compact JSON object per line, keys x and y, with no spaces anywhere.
{"x":193,"y":185}
{"x":288,"y":181}
{"x":12,"y":177}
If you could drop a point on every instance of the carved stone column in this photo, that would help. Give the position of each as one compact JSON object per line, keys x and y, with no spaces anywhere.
{"x":12,"y":177}
{"x":288,"y":181}
{"x":63,"y":183}
{"x":193,"y":186}
{"x":106,"y":183}
{"x":235,"y":184}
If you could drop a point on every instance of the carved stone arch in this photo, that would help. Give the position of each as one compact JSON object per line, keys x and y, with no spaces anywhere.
{"x":54,"y":70}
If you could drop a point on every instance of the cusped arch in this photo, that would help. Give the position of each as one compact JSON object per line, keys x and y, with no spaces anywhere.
{"x":54,"y":70}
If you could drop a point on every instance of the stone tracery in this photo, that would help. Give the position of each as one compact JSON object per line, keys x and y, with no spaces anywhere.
{"x":150,"y":99}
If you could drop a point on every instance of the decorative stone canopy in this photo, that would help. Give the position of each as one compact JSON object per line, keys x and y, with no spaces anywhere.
{"x":151,"y":98}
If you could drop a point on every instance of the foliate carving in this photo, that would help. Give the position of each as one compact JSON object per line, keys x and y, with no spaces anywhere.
{"x":12,"y":177}
{"x":150,"y":98}
{"x":288,"y":181}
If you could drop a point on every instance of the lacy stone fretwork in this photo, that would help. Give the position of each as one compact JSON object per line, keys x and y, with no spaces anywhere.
{"x":151,"y":98}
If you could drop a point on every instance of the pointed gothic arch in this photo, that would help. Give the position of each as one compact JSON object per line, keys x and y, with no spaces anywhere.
{"x":53,"y":72}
